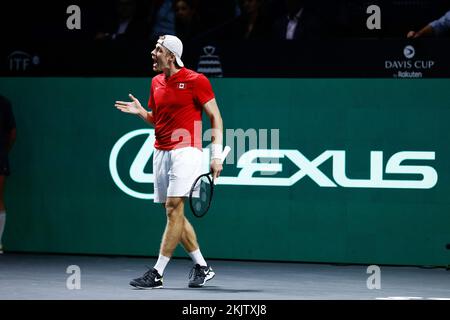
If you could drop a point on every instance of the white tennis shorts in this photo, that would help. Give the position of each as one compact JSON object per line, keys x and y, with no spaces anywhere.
{"x":175,"y":171}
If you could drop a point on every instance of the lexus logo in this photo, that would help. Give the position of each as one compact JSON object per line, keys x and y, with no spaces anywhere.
{"x":251,"y":169}
{"x":137,"y":167}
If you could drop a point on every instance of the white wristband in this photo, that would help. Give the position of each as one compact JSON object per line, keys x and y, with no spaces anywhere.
{"x":216,"y":151}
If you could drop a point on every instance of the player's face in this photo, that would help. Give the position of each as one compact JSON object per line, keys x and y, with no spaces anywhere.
{"x":161,"y":57}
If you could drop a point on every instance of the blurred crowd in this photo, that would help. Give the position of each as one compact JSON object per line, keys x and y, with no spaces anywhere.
{"x":266,"y":19}
{"x":197,"y":19}
{"x":190,"y":20}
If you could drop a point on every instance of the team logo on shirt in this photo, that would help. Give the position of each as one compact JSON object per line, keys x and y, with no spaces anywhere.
{"x":181,"y":85}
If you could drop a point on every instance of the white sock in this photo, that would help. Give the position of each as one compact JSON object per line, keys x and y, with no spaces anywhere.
{"x":161,"y":264}
{"x":198,"y":258}
{"x":2,"y":223}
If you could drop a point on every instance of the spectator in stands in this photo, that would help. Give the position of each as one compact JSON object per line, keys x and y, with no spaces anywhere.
{"x":216,"y":13}
{"x":187,"y":20}
{"x":126,"y":24}
{"x":7,"y":138}
{"x":298,"y":22}
{"x":252,"y":23}
{"x":163,"y":17}
{"x":439,"y":27}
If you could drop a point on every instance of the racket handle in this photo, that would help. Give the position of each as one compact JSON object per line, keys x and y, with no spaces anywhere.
{"x":224,"y":154}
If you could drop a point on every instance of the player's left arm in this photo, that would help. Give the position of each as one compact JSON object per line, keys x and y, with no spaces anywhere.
{"x":212,"y":111}
{"x":12,"y":130}
{"x":11,"y":139}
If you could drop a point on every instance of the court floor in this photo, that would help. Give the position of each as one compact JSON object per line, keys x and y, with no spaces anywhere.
{"x":38,"y":276}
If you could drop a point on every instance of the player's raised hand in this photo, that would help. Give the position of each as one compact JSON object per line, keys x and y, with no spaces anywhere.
{"x":133,"y":107}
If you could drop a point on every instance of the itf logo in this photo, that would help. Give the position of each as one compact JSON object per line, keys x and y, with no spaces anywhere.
{"x":21,"y":61}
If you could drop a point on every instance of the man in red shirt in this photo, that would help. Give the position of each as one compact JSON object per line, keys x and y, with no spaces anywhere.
{"x":177,"y":98}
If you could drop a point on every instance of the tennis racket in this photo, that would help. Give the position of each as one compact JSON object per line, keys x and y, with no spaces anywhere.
{"x":202,"y":190}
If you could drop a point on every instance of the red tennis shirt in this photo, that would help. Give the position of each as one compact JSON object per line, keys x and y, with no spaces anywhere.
{"x":177,"y":105}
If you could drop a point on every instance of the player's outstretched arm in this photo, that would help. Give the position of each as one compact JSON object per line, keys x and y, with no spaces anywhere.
{"x":135,"y":107}
{"x":424,"y":32}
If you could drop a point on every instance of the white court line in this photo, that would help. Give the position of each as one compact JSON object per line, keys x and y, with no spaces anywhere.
{"x":411,"y":298}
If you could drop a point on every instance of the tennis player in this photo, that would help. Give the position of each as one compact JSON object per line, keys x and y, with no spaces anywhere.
{"x":177,"y":98}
